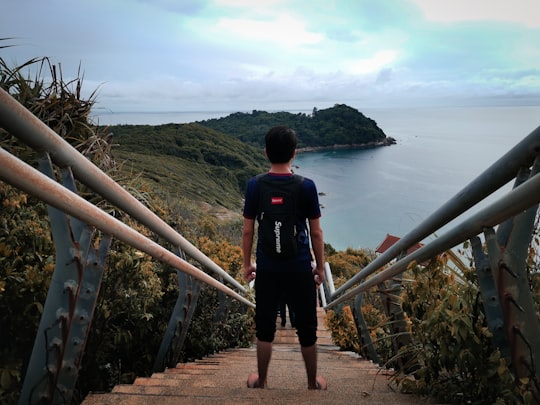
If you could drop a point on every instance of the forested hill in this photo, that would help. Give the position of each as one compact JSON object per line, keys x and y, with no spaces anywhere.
{"x":338,"y":125}
{"x":212,"y":160}
{"x":189,"y":161}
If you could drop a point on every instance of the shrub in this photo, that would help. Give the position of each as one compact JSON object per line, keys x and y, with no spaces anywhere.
{"x":452,"y":344}
{"x":26,"y":266}
{"x":343,"y":329}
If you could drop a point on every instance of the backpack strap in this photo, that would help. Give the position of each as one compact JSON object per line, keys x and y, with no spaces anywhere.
{"x":295,"y":177}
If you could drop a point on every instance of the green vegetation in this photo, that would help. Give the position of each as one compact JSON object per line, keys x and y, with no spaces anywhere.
{"x":340,"y":125}
{"x":451,"y":353}
{"x":188,"y":161}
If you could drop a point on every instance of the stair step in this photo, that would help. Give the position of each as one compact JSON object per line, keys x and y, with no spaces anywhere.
{"x":287,"y":334}
{"x":221,"y":379}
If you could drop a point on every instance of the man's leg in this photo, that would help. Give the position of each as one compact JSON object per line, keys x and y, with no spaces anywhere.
{"x":303,"y":305}
{"x":264,"y":354}
{"x":267,"y":296}
{"x":310,"y":360}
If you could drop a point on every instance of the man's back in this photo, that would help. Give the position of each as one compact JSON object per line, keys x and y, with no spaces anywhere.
{"x":279,"y":225}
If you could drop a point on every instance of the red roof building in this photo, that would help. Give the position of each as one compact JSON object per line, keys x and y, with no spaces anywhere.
{"x":390,"y":240}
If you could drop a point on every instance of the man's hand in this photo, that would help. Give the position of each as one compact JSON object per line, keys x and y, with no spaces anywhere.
{"x":318,"y":276}
{"x":250,"y":271}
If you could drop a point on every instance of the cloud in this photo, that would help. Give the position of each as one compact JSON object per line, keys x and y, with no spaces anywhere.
{"x":284,"y":31}
{"x":375,"y":63}
{"x":523,"y":12}
{"x":226,"y":54}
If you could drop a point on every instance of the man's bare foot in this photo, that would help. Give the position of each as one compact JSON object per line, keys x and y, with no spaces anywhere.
{"x":320,"y":384}
{"x":253,"y":381}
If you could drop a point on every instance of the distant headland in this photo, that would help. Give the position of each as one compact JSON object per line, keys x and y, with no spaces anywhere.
{"x":338,"y":127}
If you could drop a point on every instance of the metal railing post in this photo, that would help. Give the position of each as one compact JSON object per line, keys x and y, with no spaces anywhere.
{"x":518,"y":307}
{"x":366,"y":343}
{"x":223,"y":307}
{"x":173,"y":341}
{"x":67,"y":314}
{"x":488,"y":289}
{"x":391,"y":302}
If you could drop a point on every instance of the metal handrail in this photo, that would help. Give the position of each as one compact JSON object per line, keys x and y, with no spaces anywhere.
{"x":502,"y":270}
{"x":24,"y":125}
{"x":30,"y":180}
{"x":52,"y":377}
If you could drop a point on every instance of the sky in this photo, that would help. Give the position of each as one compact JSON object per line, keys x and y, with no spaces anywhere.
{"x":283,"y":55}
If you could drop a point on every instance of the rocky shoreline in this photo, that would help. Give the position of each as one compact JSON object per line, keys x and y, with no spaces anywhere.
{"x":387,"y":142}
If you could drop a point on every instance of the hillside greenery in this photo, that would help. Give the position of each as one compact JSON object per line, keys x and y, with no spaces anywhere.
{"x":188,"y":161}
{"x":339,"y":125}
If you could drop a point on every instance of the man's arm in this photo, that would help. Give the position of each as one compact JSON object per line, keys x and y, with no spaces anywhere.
{"x":248,"y":231}
{"x":317,"y":242}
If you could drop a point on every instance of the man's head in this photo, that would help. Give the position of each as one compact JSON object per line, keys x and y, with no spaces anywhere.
{"x":280,"y":144}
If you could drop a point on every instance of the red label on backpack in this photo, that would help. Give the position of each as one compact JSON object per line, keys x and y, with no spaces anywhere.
{"x":277,"y":200}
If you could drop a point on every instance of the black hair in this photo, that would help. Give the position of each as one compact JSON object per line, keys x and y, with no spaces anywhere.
{"x":280,"y":142}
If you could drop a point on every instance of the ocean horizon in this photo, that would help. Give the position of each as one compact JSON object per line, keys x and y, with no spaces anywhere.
{"x":166,"y":117}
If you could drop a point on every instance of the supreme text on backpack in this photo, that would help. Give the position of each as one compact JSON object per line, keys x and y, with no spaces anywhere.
{"x":277,"y":217}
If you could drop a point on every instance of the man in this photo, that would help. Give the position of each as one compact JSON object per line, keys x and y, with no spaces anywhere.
{"x":292,"y":276}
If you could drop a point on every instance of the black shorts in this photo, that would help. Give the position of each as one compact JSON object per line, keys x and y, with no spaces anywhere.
{"x":300,"y":292}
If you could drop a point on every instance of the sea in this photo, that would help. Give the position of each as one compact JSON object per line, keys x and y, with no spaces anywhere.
{"x":366,"y":194}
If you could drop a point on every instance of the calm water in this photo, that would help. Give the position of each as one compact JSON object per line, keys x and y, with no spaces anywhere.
{"x":369,"y":193}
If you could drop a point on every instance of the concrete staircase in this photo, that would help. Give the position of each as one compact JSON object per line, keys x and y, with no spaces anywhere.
{"x":287,"y":334}
{"x":221,"y":379}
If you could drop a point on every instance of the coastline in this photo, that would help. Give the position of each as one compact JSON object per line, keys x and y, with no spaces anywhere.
{"x":387,"y":142}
